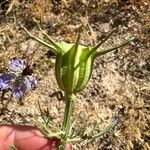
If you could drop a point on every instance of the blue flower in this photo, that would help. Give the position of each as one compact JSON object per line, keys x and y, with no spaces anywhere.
{"x":19,"y":78}
{"x":17,"y":66}
{"x":6,"y":80}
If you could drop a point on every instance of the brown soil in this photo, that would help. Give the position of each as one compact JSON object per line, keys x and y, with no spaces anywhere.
{"x":120,"y":82}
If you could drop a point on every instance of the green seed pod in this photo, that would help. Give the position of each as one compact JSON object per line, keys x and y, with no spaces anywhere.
{"x":73,"y":68}
{"x":74,"y":65}
{"x":74,"y":62}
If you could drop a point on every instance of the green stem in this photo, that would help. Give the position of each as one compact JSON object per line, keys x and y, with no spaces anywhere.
{"x":67,"y":116}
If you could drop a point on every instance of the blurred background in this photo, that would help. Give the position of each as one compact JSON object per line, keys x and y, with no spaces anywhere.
{"x":120,"y":83}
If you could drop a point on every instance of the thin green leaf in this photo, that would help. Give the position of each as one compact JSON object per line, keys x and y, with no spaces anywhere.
{"x":94,"y":128}
{"x":48,"y":117}
{"x":74,"y":123}
{"x":57,"y":48}
{"x":103,"y":52}
{"x":104,"y":40}
{"x":41,"y":112}
{"x":82,"y":130}
{"x":39,"y":40}
{"x":104,"y":131}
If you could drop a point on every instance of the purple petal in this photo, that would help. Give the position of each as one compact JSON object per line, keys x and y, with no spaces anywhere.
{"x":19,"y":89}
{"x":6,"y":81}
{"x":17,"y":65}
{"x":18,"y":94}
{"x":22,"y":85}
{"x":31,"y":82}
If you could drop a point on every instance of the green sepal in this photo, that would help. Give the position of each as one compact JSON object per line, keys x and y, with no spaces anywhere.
{"x":103,"y":52}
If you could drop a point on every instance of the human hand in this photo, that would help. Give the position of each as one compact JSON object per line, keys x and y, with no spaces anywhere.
{"x":26,"y":138}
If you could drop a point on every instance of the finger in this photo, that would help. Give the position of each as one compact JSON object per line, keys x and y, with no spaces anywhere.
{"x":30,"y":138}
{"x":6,"y":137}
{"x":25,"y":138}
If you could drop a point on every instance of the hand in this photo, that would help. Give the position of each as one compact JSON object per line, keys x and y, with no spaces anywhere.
{"x":26,"y":138}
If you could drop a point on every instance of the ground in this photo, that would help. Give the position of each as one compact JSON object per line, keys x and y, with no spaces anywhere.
{"x":120,"y":82}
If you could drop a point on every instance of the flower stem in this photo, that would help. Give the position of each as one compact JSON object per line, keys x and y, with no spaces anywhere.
{"x":67,"y":116}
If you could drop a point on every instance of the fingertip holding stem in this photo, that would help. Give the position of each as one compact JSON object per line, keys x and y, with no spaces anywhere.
{"x":26,"y":138}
